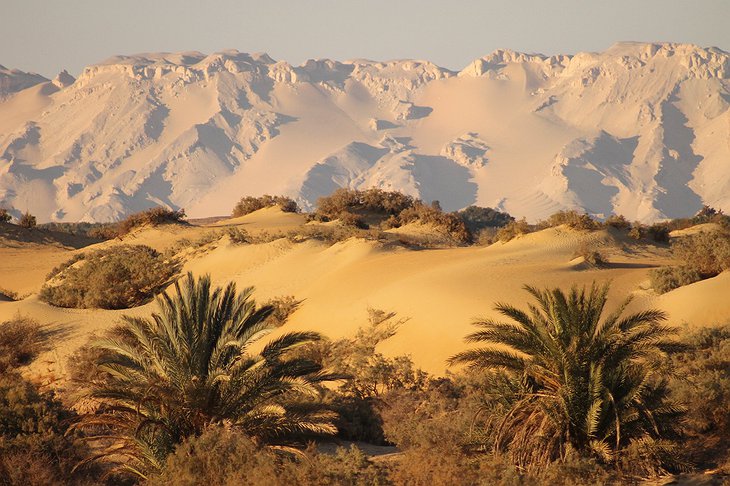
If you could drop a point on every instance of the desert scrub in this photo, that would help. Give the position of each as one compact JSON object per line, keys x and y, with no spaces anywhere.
{"x":249,"y":204}
{"x":282,"y":308}
{"x":701,"y":380}
{"x":704,"y":255}
{"x":513,"y":229}
{"x":477,"y":218}
{"x":119,"y":277}
{"x":665,"y":279}
{"x":27,"y":220}
{"x":590,"y":254}
{"x":618,"y":221}
{"x":21,"y":340}
{"x":572,"y":219}
{"x":223,"y":456}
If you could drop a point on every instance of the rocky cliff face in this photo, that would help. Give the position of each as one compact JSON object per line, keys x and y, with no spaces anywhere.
{"x":640,"y":129}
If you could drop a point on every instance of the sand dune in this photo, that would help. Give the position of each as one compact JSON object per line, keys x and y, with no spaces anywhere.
{"x":440,"y":291}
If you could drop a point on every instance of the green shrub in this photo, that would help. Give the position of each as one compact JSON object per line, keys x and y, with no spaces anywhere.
{"x":21,"y":340}
{"x":5,"y":216}
{"x":27,"y":220}
{"x":618,"y":221}
{"x":659,"y":232}
{"x":706,"y":252}
{"x":572,"y":219}
{"x":225,"y":457}
{"x":372,"y":200}
{"x":238,"y":236}
{"x":513,"y":229}
{"x":249,"y":204}
{"x":665,"y":279}
{"x":35,"y":445}
{"x":477,"y":218}
{"x":349,"y":219}
{"x":701,"y":380}
{"x":118,"y":277}
{"x":450,"y":223}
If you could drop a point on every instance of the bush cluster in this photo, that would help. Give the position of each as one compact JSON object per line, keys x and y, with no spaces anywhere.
{"x":704,"y":255}
{"x":513,"y":229}
{"x":150,"y":217}
{"x":21,"y":340}
{"x":572,"y":219}
{"x":36,"y":446}
{"x":5,"y":216}
{"x":27,"y":220}
{"x":249,"y":204}
{"x":119,"y":277}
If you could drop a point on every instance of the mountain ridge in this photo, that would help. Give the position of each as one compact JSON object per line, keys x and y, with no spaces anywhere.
{"x":639,"y":129}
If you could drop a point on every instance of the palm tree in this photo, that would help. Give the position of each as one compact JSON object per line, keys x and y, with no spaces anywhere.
{"x":165,"y":378}
{"x":588,"y":384}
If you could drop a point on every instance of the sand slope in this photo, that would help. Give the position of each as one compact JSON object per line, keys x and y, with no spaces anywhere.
{"x":440,"y":291}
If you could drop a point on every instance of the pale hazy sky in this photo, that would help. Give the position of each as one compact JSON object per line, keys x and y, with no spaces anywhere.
{"x":46,"y":36}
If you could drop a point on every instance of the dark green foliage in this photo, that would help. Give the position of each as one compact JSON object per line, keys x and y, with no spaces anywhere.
{"x":27,"y":220}
{"x":118,"y":277}
{"x":659,"y":233}
{"x":162,"y":379}
{"x":477,"y":218}
{"x":589,"y":382}
{"x":249,"y":204}
{"x":21,"y":340}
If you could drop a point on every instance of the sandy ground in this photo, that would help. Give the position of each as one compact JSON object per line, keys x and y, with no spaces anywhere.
{"x":439,"y":291}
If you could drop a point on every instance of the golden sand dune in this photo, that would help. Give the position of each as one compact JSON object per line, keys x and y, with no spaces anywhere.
{"x":440,"y":291}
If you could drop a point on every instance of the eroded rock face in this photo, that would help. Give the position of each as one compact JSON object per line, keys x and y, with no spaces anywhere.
{"x":641,"y":129}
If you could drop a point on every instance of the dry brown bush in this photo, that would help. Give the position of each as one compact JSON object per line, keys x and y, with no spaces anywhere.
{"x":21,"y":340}
{"x":27,"y":220}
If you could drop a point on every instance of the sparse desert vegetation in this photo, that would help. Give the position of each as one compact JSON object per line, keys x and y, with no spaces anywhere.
{"x":118,"y":277}
{"x":567,"y":389}
{"x":249,"y":204}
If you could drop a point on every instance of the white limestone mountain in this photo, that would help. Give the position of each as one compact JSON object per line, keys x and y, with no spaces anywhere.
{"x":640,"y":129}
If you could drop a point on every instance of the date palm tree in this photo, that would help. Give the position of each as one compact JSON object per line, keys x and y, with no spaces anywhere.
{"x":165,"y":378}
{"x":588,"y":382}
